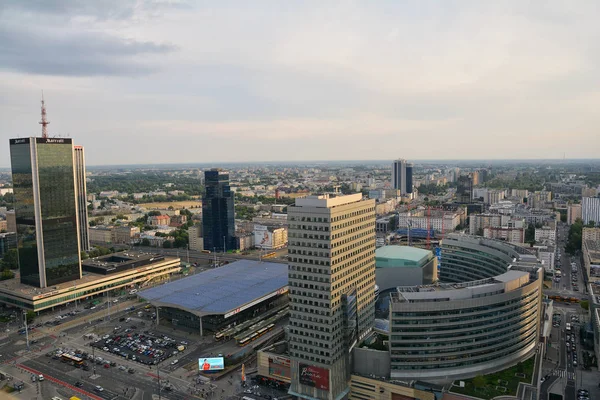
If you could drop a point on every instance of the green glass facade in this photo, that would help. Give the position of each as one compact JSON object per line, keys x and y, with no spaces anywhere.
{"x":45,"y":209}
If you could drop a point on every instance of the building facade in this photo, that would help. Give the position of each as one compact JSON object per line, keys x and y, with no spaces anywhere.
{"x":485,"y":318}
{"x":506,"y":233}
{"x":573,"y":213}
{"x":46,"y":210}
{"x":332,"y":285}
{"x":463,"y":330}
{"x":402,"y":176}
{"x":545,"y":233}
{"x":81,"y":186}
{"x":218,"y":212}
{"x":196,"y":242}
{"x":590,"y":209}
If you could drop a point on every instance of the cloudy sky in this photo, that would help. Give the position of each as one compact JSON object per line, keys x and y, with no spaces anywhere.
{"x":220,"y":81}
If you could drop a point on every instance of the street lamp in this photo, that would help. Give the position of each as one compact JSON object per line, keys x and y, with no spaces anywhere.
{"x":26,"y":329}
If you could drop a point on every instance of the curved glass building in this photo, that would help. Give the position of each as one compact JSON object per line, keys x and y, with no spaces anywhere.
{"x":484,"y":318}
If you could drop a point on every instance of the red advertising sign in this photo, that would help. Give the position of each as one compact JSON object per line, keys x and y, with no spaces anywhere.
{"x":314,"y":376}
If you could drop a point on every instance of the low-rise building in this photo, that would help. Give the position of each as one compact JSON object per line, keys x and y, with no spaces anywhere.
{"x":244,"y":241}
{"x":100,"y":235}
{"x":124,"y":234}
{"x":269,"y":238}
{"x":159,"y":220}
{"x":3,"y":225}
{"x":591,"y":234}
{"x":118,"y":271}
{"x":547,"y":232}
{"x":178,"y":220}
{"x":404,"y":266}
{"x":506,"y":233}
{"x":591,"y":259}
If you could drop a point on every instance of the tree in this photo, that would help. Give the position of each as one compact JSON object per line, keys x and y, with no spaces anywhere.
{"x":30,"y":316}
{"x":11,"y":259}
{"x":479,"y":381}
{"x":585,"y":304}
{"x":167,"y":244}
{"x":530,"y":234}
{"x":6,"y":274}
{"x":84,"y":256}
{"x":145,"y":242}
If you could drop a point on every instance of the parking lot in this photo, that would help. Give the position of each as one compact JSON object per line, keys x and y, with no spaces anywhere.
{"x":144,"y":347}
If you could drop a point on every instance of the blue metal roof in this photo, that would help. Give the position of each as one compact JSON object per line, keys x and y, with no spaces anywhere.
{"x":220,"y":290}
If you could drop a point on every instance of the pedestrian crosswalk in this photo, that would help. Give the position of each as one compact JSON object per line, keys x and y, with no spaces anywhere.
{"x":564,"y":374}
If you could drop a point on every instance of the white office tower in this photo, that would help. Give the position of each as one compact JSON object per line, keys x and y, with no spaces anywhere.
{"x":332,"y":285}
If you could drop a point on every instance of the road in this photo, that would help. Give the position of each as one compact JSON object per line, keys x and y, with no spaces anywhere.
{"x":565,"y":368}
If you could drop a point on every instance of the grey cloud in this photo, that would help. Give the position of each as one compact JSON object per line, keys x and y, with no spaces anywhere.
{"x":99,"y":9}
{"x":80,"y":54}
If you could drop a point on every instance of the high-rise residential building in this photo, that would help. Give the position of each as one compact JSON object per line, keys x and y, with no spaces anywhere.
{"x":332,"y":290}
{"x":573,"y":213}
{"x":590,"y":209}
{"x":218,"y":212}
{"x":81,"y":186}
{"x":402,"y":176}
{"x":43,"y":176}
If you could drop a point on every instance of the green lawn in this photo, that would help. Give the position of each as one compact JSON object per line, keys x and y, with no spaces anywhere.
{"x":486,"y":384}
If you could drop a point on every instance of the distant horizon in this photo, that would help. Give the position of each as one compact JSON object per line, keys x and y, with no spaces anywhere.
{"x":334,"y":162}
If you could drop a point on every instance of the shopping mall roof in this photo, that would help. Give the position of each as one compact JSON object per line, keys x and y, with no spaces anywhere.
{"x":223,"y":290}
{"x":401,"y":256}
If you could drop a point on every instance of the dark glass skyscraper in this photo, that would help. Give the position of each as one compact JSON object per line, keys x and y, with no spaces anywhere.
{"x":218,"y":213}
{"x":45,"y":210}
{"x":402,"y":178}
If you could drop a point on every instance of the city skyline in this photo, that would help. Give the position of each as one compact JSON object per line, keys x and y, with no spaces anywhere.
{"x":384,"y":81}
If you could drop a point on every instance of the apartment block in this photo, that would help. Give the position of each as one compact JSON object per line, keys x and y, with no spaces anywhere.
{"x":590,"y":209}
{"x":573,"y":213}
{"x":332,"y":287}
{"x":196,"y":242}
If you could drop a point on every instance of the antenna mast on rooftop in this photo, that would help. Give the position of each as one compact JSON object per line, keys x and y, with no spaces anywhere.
{"x":44,"y":122}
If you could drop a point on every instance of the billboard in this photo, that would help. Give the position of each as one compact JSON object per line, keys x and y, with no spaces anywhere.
{"x":279,"y":367}
{"x":262,"y":237}
{"x":211,"y":364}
{"x":314,"y":376}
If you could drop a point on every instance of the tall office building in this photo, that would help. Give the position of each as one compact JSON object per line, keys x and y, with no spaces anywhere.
{"x":332,"y":290}
{"x":218,"y":213}
{"x":45,"y":210}
{"x":464,"y":189}
{"x":590,"y":210}
{"x":81,"y":187}
{"x":402,"y":179}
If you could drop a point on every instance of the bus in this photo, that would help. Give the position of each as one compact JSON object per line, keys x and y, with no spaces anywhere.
{"x":568,"y":327}
{"x":270,"y":255}
{"x":74,"y":360}
{"x":205,"y":251}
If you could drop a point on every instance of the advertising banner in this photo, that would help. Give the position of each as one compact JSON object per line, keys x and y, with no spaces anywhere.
{"x":279,"y":367}
{"x":262,"y":237}
{"x":211,"y":364}
{"x":314,"y":376}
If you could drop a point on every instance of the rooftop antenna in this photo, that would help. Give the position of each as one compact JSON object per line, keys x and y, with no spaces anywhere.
{"x":44,"y":122}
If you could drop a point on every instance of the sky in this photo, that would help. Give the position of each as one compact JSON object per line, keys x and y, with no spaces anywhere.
{"x":170,"y":81}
